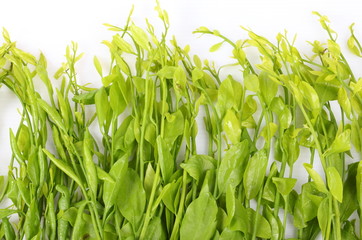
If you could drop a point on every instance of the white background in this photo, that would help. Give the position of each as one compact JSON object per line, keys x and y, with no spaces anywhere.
{"x":48,"y":26}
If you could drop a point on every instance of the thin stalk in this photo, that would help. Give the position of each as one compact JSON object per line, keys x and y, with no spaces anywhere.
{"x":268,"y":119}
{"x":311,"y":160}
{"x":258,"y":125}
{"x":315,"y":136}
{"x":143,"y":128}
{"x":150,"y":203}
{"x":286,"y":200}
{"x":209,"y":128}
{"x":179,"y":215}
{"x":277,"y":195}
{"x":329,"y":223}
{"x":157,"y":175}
{"x":219,"y":143}
{"x":255,"y":227}
{"x":337,"y":226}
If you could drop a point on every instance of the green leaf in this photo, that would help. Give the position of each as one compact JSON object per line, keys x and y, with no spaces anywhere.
{"x":333,"y":48}
{"x":85,"y":98}
{"x":255,"y":173}
{"x":323,"y":216}
{"x":197,"y":165}
{"x":8,"y":228}
{"x":43,"y":74}
{"x":111,"y":190}
{"x":27,"y":57}
{"x":359,"y":183}
{"x":4,"y":213}
{"x":23,"y":140}
{"x":148,"y":180}
{"x":284,"y":185}
{"x":197,"y":74}
{"x":232,"y":166}
{"x":64,"y":167}
{"x":341,"y":143}
{"x":310,"y":201}
{"x":227,"y":234}
{"x":318,"y":181}
{"x":103,"y":175}
{"x":240,"y":55}
{"x":199,"y":221}
{"x":33,"y":167}
{"x":171,"y":195}
{"x":335,"y":184}
{"x":285,"y":118}
{"x":167,"y":72}
{"x":349,"y":231}
{"x":65,"y":110}
{"x":174,"y":127}
{"x":197,"y":61}
{"x":24,"y":191}
{"x":225,"y":99}
{"x":232,"y":126}
{"x":122,"y":44}
{"x":249,"y":108}
{"x":251,"y":82}
{"x":140,"y":37}
{"x":230,"y":202}
{"x":132,"y":200}
{"x":32,"y":220}
{"x":122,"y":64}
{"x":244,"y":221}
{"x":291,"y":145}
{"x":344,"y":102}
{"x":98,"y":65}
{"x":89,"y":165}
{"x":79,"y":228}
{"x":274,"y":223}
{"x":350,"y":202}
{"x":165,"y":159}
{"x":179,"y":81}
{"x":155,"y":230}
{"x":326,"y":91}
{"x":351,"y":43}
{"x":116,"y":100}
{"x":268,"y":131}
{"x":268,"y":88}
{"x":310,"y":98}
{"x":102,"y":106}
{"x":52,"y":113}
{"x":216,"y":46}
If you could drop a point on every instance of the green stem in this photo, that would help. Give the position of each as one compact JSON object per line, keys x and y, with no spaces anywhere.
{"x":157,"y":175}
{"x":219,"y":143}
{"x":277,"y":195}
{"x":179,"y":215}
{"x":311,"y":161}
{"x":328,"y":233}
{"x":143,"y":128}
{"x":150,"y":203}
{"x":286,"y":200}
{"x":315,"y":136}
{"x":255,"y":227}
{"x":337,"y":227}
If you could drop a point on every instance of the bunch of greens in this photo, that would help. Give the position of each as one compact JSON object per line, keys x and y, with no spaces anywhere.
{"x":131,"y":169}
